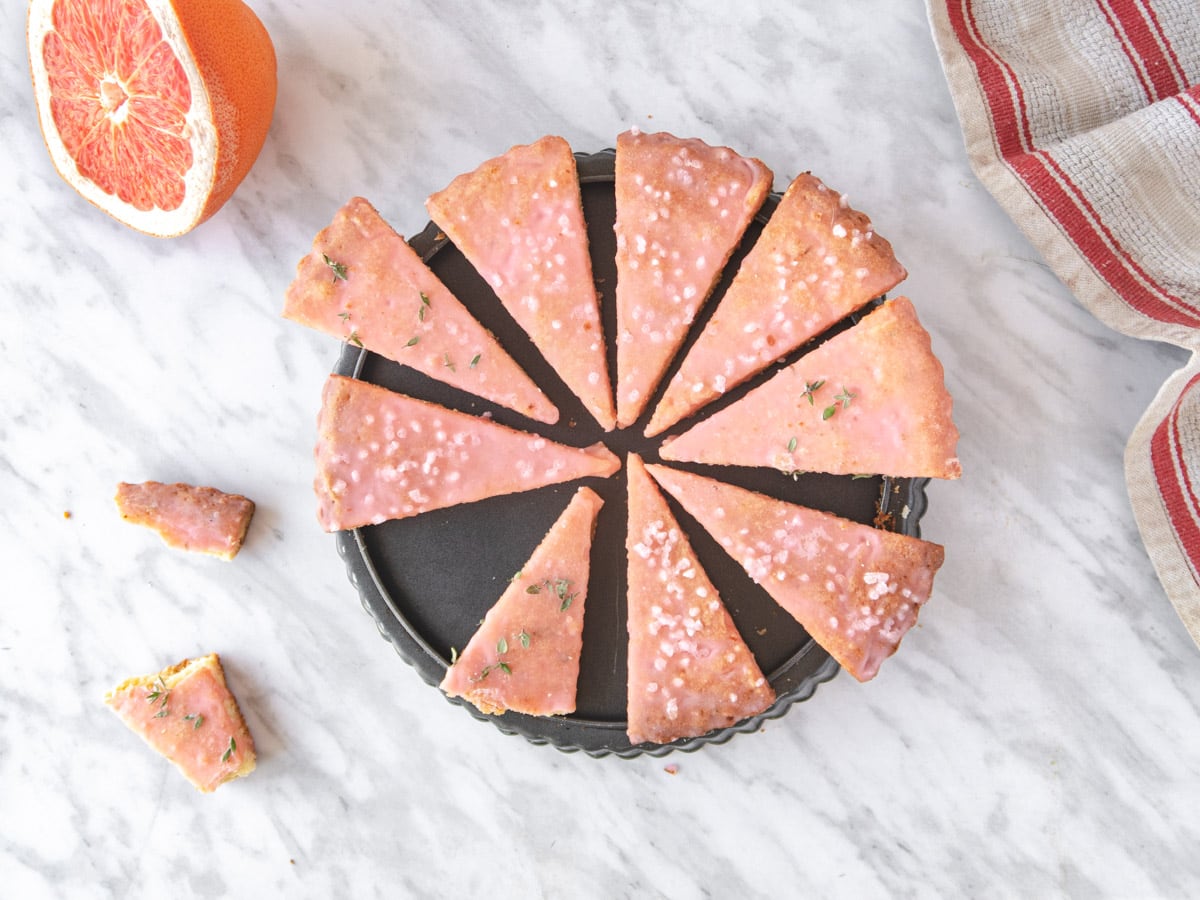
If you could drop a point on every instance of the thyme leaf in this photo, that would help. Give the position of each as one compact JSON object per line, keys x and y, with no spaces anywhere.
{"x":339,"y":269}
{"x":229,"y":751}
{"x":811,"y":388}
{"x":160,"y":692}
{"x":843,"y":398}
{"x":560,"y":587}
{"x":474,"y":361}
{"x":487,"y":670}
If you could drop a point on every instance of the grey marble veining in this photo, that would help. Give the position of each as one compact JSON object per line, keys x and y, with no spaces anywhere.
{"x":1036,"y":737}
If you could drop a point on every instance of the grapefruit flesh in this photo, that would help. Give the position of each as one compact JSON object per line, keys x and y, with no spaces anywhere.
{"x":154,"y":110}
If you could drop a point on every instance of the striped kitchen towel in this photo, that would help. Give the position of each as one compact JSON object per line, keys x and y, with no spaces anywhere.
{"x":1082,"y":117}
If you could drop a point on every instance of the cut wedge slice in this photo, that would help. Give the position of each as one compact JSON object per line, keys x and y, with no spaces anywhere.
{"x":525,"y":655}
{"x":816,"y":262}
{"x":855,"y":589}
{"x":187,"y":713}
{"x":382,"y":455}
{"x":518,"y":219}
{"x":689,"y":670}
{"x":364,"y":284}
{"x":871,"y":400}
{"x":682,"y":208}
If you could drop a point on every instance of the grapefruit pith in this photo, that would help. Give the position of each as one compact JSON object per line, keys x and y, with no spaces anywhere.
{"x":154,"y":110}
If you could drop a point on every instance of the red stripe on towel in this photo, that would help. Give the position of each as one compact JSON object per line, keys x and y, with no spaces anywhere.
{"x":1175,"y":484}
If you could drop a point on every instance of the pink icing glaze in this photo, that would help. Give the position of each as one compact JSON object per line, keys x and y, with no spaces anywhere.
{"x":682,"y":207}
{"x":191,"y":724}
{"x":816,"y":262}
{"x":897,"y":420}
{"x":382,"y":455}
{"x":857,"y":590}
{"x":525,"y":655}
{"x":689,"y":670}
{"x":519,"y":220}
{"x":391,"y":303}
{"x":201,"y":519}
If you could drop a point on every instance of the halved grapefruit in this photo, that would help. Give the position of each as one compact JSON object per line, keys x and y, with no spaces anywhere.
{"x":154,"y":110}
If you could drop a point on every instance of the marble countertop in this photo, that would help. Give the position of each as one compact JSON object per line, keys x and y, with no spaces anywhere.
{"x":1036,"y":736}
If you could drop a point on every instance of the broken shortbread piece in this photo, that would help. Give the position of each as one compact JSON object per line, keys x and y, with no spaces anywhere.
{"x":187,"y":713}
{"x":188,"y":517}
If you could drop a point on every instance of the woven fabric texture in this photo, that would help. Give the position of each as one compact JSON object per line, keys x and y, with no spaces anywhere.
{"x":1082,"y":117}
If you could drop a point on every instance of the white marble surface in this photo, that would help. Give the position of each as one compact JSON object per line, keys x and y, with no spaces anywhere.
{"x":1037,"y":736}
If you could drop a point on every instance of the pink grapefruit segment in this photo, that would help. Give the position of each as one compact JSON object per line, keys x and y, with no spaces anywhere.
{"x":119,"y":100}
{"x":153,"y":110}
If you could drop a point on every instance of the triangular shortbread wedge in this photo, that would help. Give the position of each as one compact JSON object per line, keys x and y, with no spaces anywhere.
{"x":525,"y":655}
{"x":682,"y":208}
{"x":689,"y":670}
{"x":187,"y":713}
{"x":518,"y":219}
{"x":817,"y":261}
{"x":383,"y":455}
{"x":871,"y":400}
{"x":855,"y":589}
{"x":188,"y":517}
{"x":364,"y":284}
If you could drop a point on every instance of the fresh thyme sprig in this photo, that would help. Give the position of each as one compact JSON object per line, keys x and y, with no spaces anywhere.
{"x":339,"y":269}
{"x":810,"y":388}
{"x":160,"y":692}
{"x":844,"y":398}
{"x":487,"y":670}
{"x":560,"y":587}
